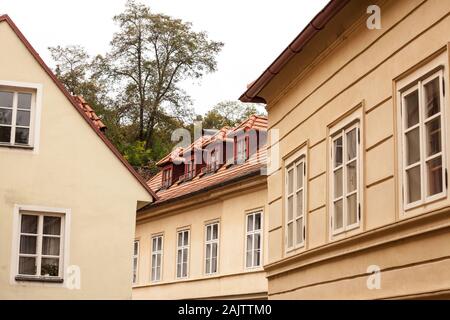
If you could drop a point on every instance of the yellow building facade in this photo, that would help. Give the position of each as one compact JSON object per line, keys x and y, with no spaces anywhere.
{"x":204,"y":237}
{"x":67,"y":199}
{"x":358,"y":202}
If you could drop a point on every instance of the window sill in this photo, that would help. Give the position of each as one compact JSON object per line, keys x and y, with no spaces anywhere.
{"x":39,"y":279}
{"x":15,"y":146}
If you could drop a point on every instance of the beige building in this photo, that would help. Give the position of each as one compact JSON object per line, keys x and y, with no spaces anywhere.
{"x":361,"y":121}
{"x":68,"y":199}
{"x":204,"y":237}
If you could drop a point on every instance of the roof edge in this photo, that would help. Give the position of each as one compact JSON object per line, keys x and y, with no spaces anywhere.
{"x":69,"y":97}
{"x":315,"y":25}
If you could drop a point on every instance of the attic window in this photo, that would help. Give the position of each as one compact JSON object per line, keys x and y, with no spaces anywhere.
{"x":241,"y":149}
{"x":213,"y":162}
{"x":189,"y":169}
{"x":166,"y":178}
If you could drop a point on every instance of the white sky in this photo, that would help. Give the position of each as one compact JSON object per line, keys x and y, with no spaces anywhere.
{"x":254,"y":32}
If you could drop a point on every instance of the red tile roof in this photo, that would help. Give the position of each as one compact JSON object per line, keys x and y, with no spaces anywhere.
{"x":225,"y":174}
{"x":87,"y":109}
{"x":7,"y":19}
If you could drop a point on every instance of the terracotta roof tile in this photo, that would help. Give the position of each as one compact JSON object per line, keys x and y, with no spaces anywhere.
{"x":82,"y":104}
{"x":225,"y":173}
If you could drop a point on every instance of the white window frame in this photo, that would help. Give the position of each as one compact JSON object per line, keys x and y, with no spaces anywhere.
{"x":241,"y":149}
{"x":300,"y":157}
{"x":418,"y":84}
{"x":65,"y":215}
{"x":35,"y":113}
{"x":135,"y":274}
{"x":252,"y":233}
{"x":342,"y":133}
{"x":210,"y":243}
{"x":155,"y":254}
{"x":181,"y":248}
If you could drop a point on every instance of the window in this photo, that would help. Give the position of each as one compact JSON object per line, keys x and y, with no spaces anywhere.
{"x":295,"y":203}
{"x":345,"y":179}
{"x":135,"y":261}
{"x":253,"y":240}
{"x":213,"y":161}
{"x":189,"y":169}
{"x":211,"y":248}
{"x":424,"y":172}
{"x":241,"y":149}
{"x":41,"y":243}
{"x":16,"y":108}
{"x":157,"y":254}
{"x":166,"y":178}
{"x":183,"y":254}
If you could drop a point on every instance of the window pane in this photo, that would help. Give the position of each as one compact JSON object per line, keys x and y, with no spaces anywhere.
{"x":300,"y":175}
{"x":28,"y":244}
{"x":29,"y":224}
{"x":180,"y":239}
{"x":351,"y":210}
{"x":249,"y":242}
{"x":413,"y":181}
{"x":290,"y":234}
{"x":290,"y":208}
{"x":208,"y":233}
{"x":186,"y":238}
{"x":23,"y":118}
{"x":24,"y":100}
{"x":22,"y":135}
{"x":299,"y":226}
{"x":52,"y":225}
{"x":249,"y":259}
{"x":154,"y":244}
{"x":351,"y":176}
{"x":434,"y":168}
{"x":179,"y":256}
{"x":300,"y":203}
{"x":5,"y":116}
{"x":290,"y":181}
{"x":257,"y":257}
{"x":50,"y":267}
{"x":5,"y":134}
{"x":257,"y":241}
{"x":160,"y":239}
{"x":413,"y":146}
{"x":50,"y":246}
{"x":179,"y":270}
{"x":338,"y":216}
{"x":184,"y":273}
{"x":351,"y":144}
{"x":250,"y":222}
{"x":6,"y":99}
{"x":208,"y":250}
{"x":338,"y":183}
{"x":338,"y":152}
{"x":257,"y":221}
{"x":215,"y":234}
{"x":214,"y":265}
{"x":208,"y":265}
{"x":185,"y":255}
{"x":432,"y":97}
{"x":27,"y":265}
{"x":434,"y":136}
{"x":412,"y":109}
{"x":214,"y":250}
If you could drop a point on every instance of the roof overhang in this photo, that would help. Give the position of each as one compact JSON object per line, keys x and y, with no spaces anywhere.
{"x":296,"y":46}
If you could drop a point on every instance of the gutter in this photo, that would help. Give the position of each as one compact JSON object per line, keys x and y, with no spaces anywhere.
{"x":200,"y":191}
{"x":296,"y":46}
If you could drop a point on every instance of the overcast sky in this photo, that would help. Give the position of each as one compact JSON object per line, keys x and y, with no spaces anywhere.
{"x":254,"y":32}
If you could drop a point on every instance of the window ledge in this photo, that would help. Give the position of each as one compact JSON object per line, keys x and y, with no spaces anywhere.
{"x":15,"y":146}
{"x":39,"y":279}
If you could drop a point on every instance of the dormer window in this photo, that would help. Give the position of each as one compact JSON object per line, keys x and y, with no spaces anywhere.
{"x":213,"y":163}
{"x":241,"y":149}
{"x":166,"y":178}
{"x":189,"y":169}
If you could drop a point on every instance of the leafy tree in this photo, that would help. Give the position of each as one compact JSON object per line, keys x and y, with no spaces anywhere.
{"x":150,"y":55}
{"x":230,"y":113}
